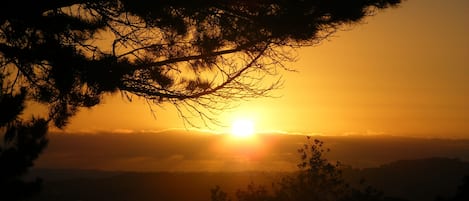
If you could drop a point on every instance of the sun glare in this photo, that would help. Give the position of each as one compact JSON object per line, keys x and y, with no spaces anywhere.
{"x":242,"y":128}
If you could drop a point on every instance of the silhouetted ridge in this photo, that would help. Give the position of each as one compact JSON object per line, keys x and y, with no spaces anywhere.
{"x":416,"y":180}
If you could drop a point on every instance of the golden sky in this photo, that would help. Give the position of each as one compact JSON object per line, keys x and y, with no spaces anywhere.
{"x":404,"y":71}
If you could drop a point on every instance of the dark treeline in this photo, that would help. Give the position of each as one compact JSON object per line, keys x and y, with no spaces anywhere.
{"x":414,"y":180}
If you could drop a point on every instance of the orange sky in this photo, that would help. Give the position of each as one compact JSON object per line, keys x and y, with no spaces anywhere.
{"x":405,"y":71}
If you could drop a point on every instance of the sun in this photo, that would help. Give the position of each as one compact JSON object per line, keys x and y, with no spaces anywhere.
{"x":242,"y":128}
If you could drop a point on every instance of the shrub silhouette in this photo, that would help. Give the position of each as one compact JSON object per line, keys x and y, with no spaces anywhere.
{"x":317,"y":179}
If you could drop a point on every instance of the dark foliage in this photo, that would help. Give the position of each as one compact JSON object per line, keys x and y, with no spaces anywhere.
{"x":23,"y":141}
{"x":198,"y":55}
{"x":191,"y":53}
{"x":317,"y":180}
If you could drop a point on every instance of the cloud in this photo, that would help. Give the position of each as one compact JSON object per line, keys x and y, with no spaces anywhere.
{"x":177,"y":150}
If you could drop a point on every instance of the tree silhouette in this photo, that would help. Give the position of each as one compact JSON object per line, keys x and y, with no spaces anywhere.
{"x":197,"y":55}
{"x":317,"y":179}
{"x":194,"y":54}
{"x":23,"y":141}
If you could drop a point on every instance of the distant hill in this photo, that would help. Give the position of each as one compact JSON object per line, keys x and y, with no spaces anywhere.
{"x":140,"y":186}
{"x":53,"y":175}
{"x":416,"y":180}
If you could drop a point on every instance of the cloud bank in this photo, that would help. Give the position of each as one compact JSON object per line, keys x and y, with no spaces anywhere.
{"x":176,"y":150}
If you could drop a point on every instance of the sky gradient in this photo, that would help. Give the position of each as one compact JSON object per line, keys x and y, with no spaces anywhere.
{"x":404,"y":71}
